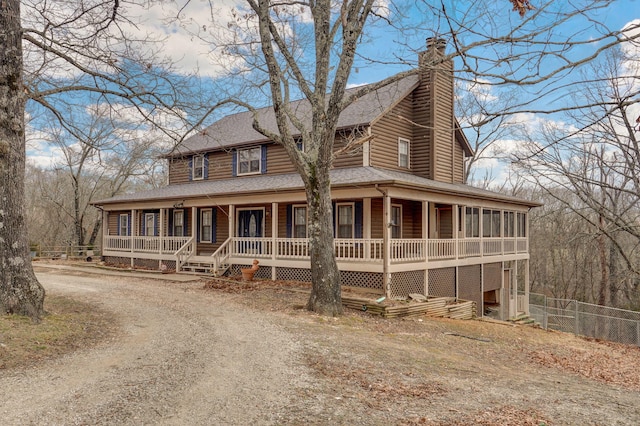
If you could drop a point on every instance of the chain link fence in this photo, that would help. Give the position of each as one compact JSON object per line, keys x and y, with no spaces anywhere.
{"x":586,"y":319}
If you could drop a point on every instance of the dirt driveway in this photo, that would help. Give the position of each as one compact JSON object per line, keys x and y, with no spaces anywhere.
{"x":196,"y":357}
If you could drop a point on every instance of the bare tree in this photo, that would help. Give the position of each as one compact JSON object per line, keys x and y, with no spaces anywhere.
{"x":74,"y":53}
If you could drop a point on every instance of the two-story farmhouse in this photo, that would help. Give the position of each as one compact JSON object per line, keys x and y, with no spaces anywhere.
{"x":405,"y":222}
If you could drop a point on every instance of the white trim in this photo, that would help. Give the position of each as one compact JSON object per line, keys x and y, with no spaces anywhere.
{"x":239,"y":162}
{"x":353,"y":219}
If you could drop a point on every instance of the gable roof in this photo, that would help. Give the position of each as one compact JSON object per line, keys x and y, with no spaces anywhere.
{"x":343,"y":177}
{"x":237,"y":129}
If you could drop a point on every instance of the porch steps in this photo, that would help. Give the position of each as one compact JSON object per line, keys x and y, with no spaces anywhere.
{"x":523,"y":319}
{"x":205,"y":268}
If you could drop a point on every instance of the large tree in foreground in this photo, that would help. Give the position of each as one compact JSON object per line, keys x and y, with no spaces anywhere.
{"x":20,"y":291}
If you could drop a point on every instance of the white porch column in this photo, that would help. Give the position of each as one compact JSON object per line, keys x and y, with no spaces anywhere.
{"x":274,"y":236}
{"x":526,"y":287}
{"x":232,"y":220}
{"x":134,"y":230}
{"x":194,"y":224}
{"x":366,"y":226}
{"x":456,"y":219}
{"x":433,"y":231}
{"x":425,"y":237}
{"x":514,"y":287}
{"x":386,"y":279}
{"x":161,"y":231}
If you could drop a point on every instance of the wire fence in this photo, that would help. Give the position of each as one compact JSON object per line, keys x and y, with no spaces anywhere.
{"x":64,"y":252}
{"x":586,"y":319}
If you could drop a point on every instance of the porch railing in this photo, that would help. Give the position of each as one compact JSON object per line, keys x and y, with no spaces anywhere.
{"x":221,"y":256}
{"x":357,"y":249}
{"x":185,"y":252}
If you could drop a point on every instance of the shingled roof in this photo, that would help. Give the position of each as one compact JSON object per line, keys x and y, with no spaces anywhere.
{"x":343,"y":177}
{"x":237,"y":129}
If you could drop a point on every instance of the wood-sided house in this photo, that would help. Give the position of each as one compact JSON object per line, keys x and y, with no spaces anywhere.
{"x":405,"y":221}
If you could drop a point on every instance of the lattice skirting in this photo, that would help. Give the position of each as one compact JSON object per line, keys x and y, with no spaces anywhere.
{"x":125,"y":262}
{"x":470,"y":285}
{"x":404,"y":283}
{"x":442,"y":282}
{"x":368,"y":280}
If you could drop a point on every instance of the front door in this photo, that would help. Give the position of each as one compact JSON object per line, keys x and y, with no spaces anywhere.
{"x":250,"y":225}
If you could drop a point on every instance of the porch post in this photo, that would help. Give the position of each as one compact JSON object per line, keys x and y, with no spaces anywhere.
{"x":134,"y":230}
{"x":161,"y":232}
{"x":456,"y":218}
{"x":386,"y":279}
{"x":514,"y":287}
{"x":366,"y":226}
{"x":232,"y":225}
{"x":433,"y":233}
{"x":194,"y":226}
{"x":425,"y":242}
{"x":274,"y":236}
{"x":526,"y":287}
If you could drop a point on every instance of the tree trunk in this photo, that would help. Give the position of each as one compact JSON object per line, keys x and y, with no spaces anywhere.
{"x":325,"y":296}
{"x":20,"y":291}
{"x":604,"y":264}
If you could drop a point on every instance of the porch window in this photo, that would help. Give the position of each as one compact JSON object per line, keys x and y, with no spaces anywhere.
{"x":396,"y":221}
{"x":403,"y":153}
{"x":508,"y":224}
{"x":344,"y":225}
{"x":300,"y":221}
{"x":198,"y":167}
{"x":522,"y":224}
{"x":178,"y":223}
{"x":123,"y":224}
{"x":149,"y":224}
{"x":472,"y":222}
{"x":249,"y":161}
{"x":205,"y":225}
{"x":490,"y":223}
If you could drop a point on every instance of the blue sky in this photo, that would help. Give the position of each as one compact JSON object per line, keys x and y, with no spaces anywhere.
{"x":392,"y":49}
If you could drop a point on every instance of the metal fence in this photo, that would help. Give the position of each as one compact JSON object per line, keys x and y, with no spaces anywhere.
{"x":586,"y":319}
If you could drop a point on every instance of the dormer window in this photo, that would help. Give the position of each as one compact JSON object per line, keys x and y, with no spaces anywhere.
{"x":198,"y":167}
{"x":403,"y":153}
{"x":249,"y":161}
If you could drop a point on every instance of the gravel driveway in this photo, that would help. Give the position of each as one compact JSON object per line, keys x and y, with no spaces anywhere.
{"x":186,"y":357}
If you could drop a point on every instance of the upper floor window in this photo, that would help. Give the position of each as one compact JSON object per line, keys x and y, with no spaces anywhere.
{"x":396,"y":221}
{"x":249,"y":161}
{"x":403,"y":153}
{"x":198,"y":167}
{"x":299,"y":221}
{"x":344,"y":220}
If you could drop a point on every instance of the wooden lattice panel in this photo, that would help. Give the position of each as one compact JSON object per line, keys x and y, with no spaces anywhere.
{"x":442,"y":282}
{"x":370,"y":280}
{"x":293,"y":274}
{"x":404,"y":283}
{"x":469,"y":285}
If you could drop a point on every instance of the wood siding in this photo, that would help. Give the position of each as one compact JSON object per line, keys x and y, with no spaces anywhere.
{"x":384,"y":146}
{"x":178,"y":170}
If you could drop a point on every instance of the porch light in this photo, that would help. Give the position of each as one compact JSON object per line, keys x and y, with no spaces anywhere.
{"x":178,"y":205}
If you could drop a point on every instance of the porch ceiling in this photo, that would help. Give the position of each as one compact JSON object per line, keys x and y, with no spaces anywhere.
{"x":340,"y":178}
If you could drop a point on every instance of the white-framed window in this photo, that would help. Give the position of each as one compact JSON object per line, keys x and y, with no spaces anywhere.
{"x":149,"y":224}
{"x":178,"y":223}
{"x":509,"y":224}
{"x":472,"y":222}
{"x":206,"y":225}
{"x":123,"y":224}
{"x":403,"y":153}
{"x":491,"y":225}
{"x":299,"y":221}
{"x":344,"y":220}
{"x":198,"y":167}
{"x":249,"y":161}
{"x":396,"y":221}
{"x":522,"y":224}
